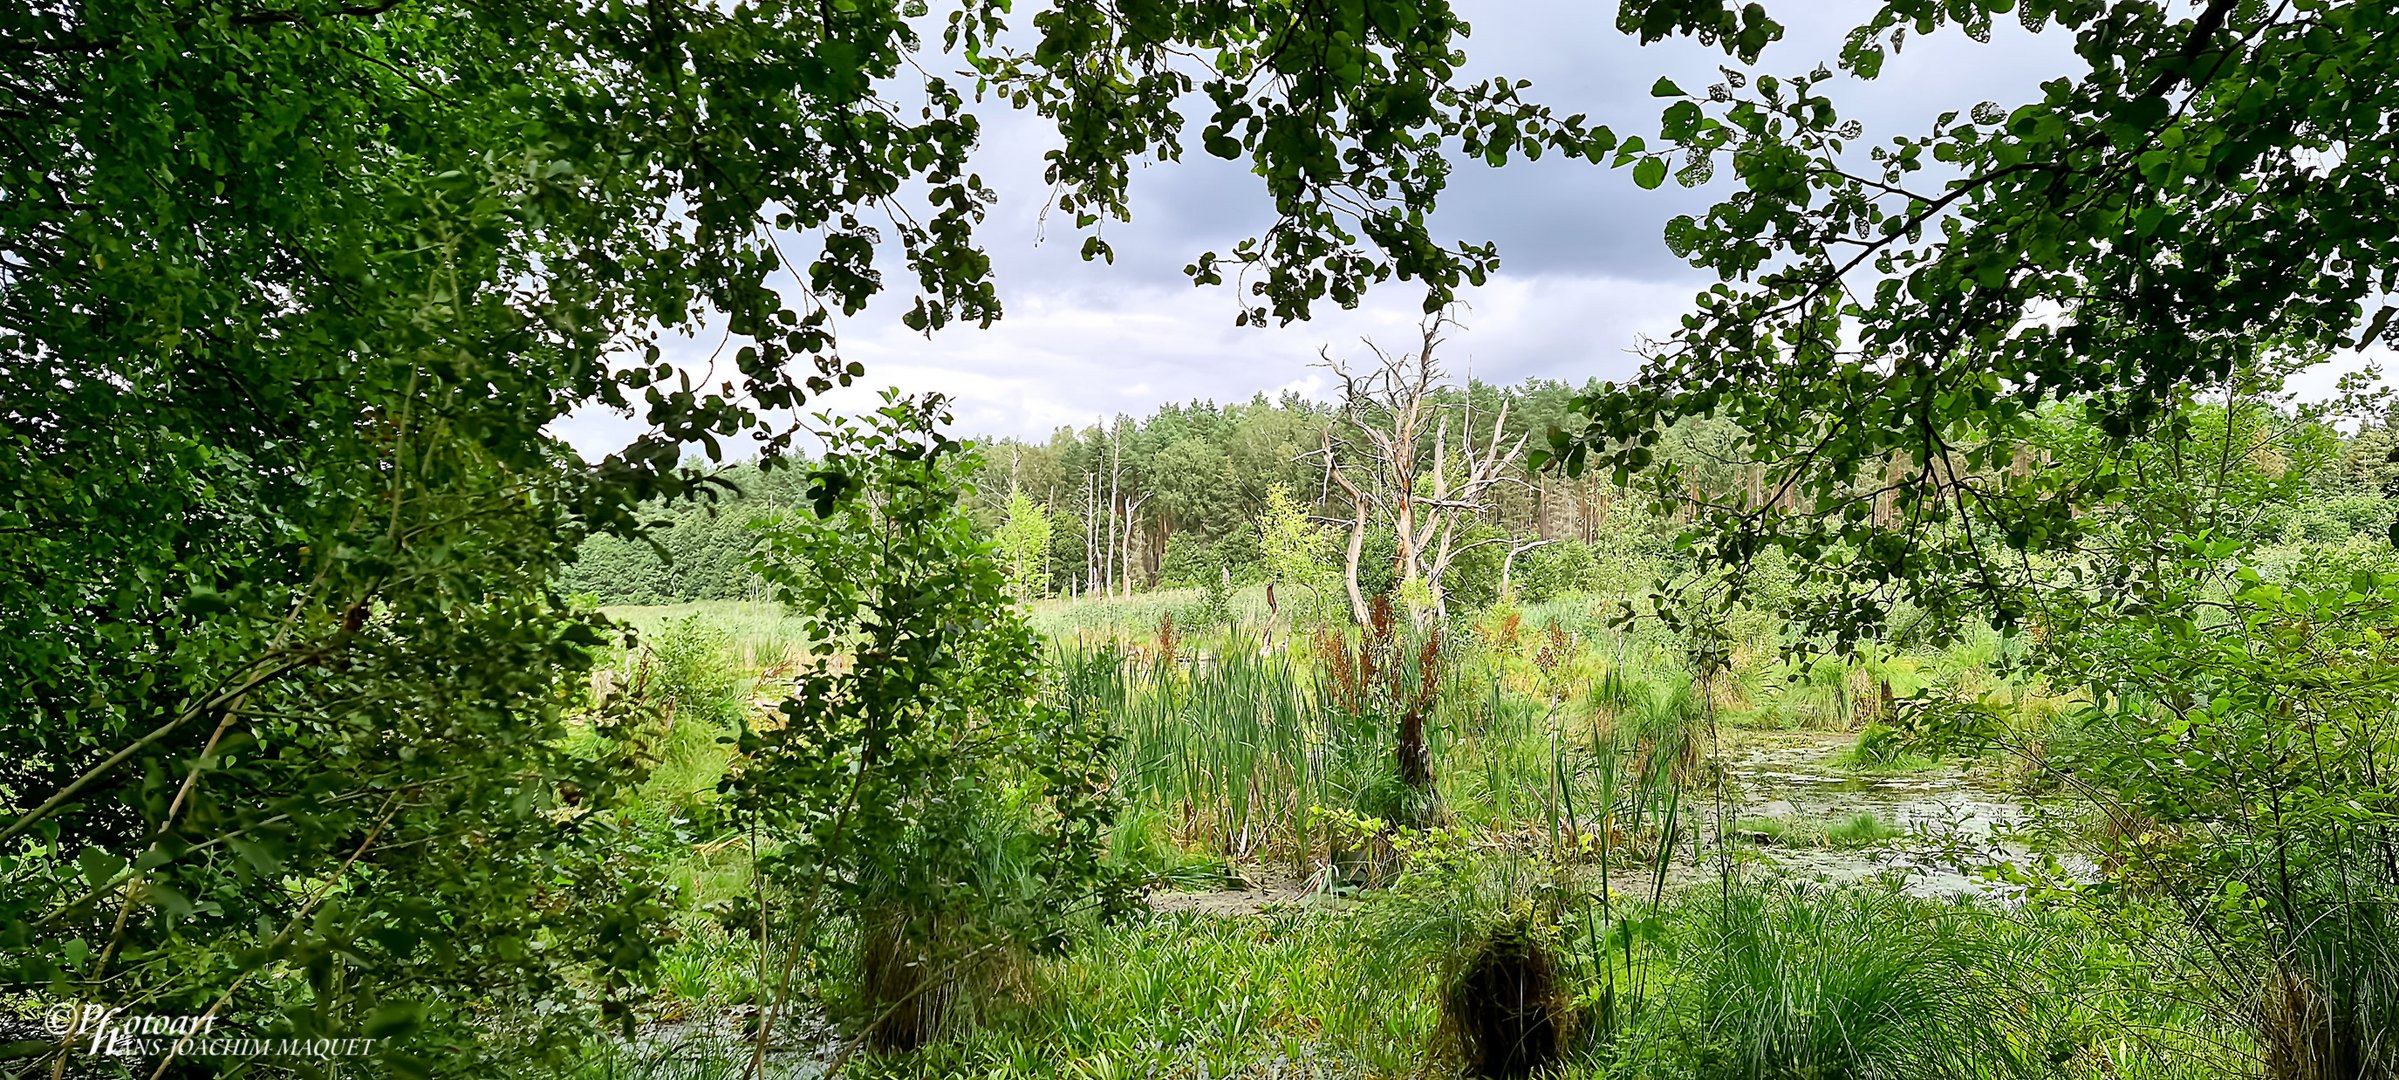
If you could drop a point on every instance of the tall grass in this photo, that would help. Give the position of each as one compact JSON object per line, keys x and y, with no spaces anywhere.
{"x":1792,"y":985}
{"x":1191,"y":996}
{"x":1223,"y":749}
{"x":1568,"y":759}
{"x":1231,"y":749}
{"x":1761,"y":984}
{"x":1134,"y":619}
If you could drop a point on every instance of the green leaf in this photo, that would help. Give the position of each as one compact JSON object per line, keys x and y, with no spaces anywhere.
{"x":204,"y":602}
{"x":1650,"y":172}
{"x":393,"y":1019}
{"x":1867,"y":63}
{"x":99,"y":867}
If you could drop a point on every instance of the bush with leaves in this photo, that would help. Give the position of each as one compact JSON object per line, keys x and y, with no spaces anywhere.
{"x":914,"y":788}
{"x":1188,"y":562}
{"x":1556,"y":569}
{"x":1296,"y":555}
{"x":1213,"y":610}
{"x":1894,"y":311}
{"x":2238,"y":755}
{"x":694,"y":698}
{"x":1023,"y":546}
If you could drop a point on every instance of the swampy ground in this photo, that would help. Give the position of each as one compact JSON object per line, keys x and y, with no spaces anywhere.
{"x":1763,"y":870}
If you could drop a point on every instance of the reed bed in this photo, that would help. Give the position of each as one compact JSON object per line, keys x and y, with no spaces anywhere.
{"x":1273,"y":754}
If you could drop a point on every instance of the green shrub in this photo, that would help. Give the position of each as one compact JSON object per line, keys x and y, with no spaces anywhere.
{"x":1189,"y":561}
{"x":687,"y":675}
{"x":693,"y":672}
{"x":1212,"y":611}
{"x":1557,"y":569}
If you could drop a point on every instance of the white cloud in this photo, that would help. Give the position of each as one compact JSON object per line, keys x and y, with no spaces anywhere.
{"x":1079,"y":357}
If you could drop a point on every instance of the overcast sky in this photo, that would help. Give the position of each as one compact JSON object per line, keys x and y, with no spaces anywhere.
{"x":1584,"y":274}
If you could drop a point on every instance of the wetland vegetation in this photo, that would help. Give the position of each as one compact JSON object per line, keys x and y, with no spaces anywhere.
{"x":1624,"y":855}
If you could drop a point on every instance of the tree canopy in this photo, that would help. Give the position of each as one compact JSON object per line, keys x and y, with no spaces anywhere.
{"x":2202,"y":205}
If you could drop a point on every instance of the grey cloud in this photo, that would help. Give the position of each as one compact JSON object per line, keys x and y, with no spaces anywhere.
{"x":1551,"y":216}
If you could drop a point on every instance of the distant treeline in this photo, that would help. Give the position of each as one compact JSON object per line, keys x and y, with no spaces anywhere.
{"x":1167,"y":500}
{"x":696,"y":550}
{"x":1175,"y":499}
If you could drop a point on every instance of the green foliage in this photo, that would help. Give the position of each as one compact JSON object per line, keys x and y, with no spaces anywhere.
{"x":1379,"y":93}
{"x":1023,"y":547}
{"x":913,"y":783}
{"x":1473,"y":577}
{"x":1895,"y":315}
{"x":690,"y":549}
{"x":315,"y":283}
{"x":1214,"y":608}
{"x":615,"y":570}
{"x":1635,"y":548}
{"x":295,"y":723}
{"x":688,"y":674}
{"x":1297,"y":555}
{"x":1558,"y":569}
{"x":694,"y":676}
{"x":2238,"y":748}
{"x":309,"y":791}
{"x":1189,"y":562}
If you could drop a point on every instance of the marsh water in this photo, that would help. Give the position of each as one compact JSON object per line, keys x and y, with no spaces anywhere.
{"x":1948,"y":815}
{"x":1781,"y":789}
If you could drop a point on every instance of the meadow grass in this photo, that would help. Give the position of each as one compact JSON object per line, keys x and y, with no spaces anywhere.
{"x":1854,"y":982}
{"x":1135,"y":619}
{"x":1860,"y":830}
{"x":1240,"y":752}
{"x":758,"y":635}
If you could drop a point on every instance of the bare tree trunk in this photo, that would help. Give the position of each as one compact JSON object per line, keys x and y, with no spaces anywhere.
{"x":1507,"y":566}
{"x":1359,"y":509}
{"x":1274,"y":617}
{"x":1132,"y":522}
{"x":1415,"y":760}
{"x":1386,"y":411}
{"x":1433,"y":582}
{"x":1116,"y":470}
{"x":1091,"y":529}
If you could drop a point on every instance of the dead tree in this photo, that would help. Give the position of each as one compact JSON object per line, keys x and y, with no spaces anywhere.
{"x":1375,"y":454}
{"x":1132,"y":522}
{"x":1507,"y":566}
